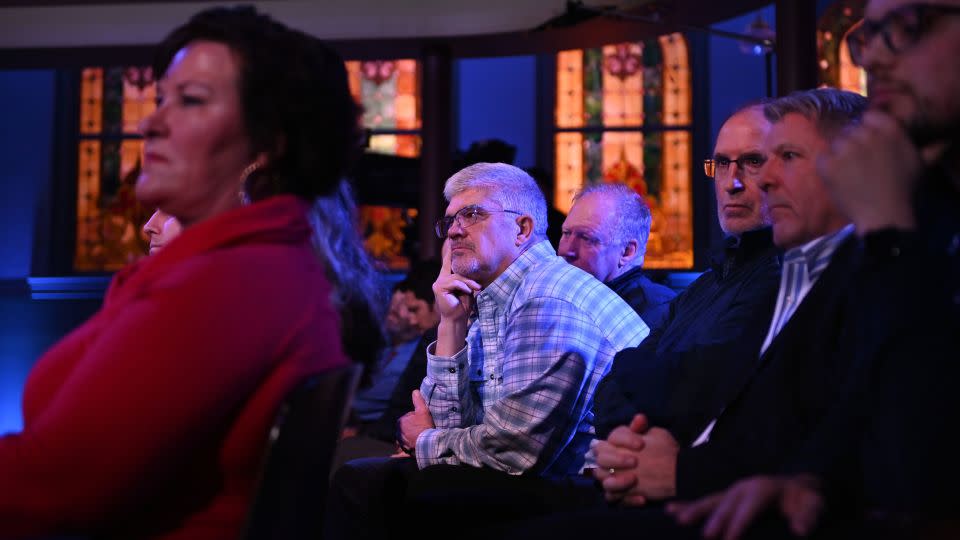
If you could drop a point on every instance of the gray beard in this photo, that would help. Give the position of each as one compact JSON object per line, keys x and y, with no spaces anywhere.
{"x":467,"y":269}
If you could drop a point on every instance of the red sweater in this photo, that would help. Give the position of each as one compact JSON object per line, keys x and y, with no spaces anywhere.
{"x":149,"y":420}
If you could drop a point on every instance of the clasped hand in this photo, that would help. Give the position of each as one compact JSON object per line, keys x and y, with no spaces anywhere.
{"x":637,"y":463}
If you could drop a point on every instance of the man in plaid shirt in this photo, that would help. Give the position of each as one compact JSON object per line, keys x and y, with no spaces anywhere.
{"x":523,"y":340}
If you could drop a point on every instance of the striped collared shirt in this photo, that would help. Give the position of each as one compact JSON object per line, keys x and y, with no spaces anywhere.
{"x":802,"y":267}
{"x":518,"y":396}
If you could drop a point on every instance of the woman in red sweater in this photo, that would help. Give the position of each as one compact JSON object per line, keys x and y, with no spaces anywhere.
{"x":149,"y":420}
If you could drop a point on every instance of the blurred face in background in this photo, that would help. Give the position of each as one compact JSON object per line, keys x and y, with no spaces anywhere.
{"x":161,"y":228}
{"x":919,"y":83}
{"x":409,"y":316}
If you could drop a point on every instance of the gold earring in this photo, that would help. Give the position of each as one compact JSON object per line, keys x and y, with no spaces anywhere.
{"x":250,"y":169}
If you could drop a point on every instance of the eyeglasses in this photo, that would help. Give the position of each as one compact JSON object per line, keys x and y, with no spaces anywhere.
{"x":751,"y":163}
{"x":900,"y":29}
{"x":466,"y":217}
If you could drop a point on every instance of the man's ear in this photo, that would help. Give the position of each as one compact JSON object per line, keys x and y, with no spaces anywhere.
{"x":525,"y":224}
{"x":629,"y":253}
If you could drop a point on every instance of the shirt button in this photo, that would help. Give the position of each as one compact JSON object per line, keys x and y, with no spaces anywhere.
{"x":454,"y":409}
{"x":452,"y":370}
{"x":492,"y":376}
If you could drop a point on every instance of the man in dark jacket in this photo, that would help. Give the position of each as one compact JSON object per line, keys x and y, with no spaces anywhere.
{"x":605,"y":234}
{"x":674,"y":376}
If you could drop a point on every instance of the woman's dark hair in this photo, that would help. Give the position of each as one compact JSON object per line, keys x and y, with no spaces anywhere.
{"x":296,"y":100}
{"x":359,"y":294}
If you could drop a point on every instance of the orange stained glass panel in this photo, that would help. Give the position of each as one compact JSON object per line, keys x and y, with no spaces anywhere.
{"x":139,"y":98}
{"x":399,"y":145}
{"x":623,"y":146}
{"x":388,"y":91}
{"x":384,"y":229}
{"x":91,"y":100}
{"x":622,"y":95}
{"x":677,"y":96}
{"x":109,"y":221}
{"x":658,"y":165}
{"x":852,"y":76}
{"x":569,"y":169}
{"x":88,"y":209}
{"x":671,"y":233}
{"x":836,"y":67}
{"x":569,"y":111}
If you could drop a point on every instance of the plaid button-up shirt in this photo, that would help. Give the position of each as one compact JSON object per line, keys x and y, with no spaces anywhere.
{"x":518,"y":396}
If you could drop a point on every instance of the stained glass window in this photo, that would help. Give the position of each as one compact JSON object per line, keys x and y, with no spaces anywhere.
{"x":836,"y":67}
{"x":623,"y":114}
{"x":113,"y":100}
{"x":389,"y":91}
{"x":385,"y":230}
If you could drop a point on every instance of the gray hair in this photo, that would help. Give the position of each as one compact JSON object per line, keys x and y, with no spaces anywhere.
{"x":631,"y":213}
{"x":830,"y":109}
{"x":359,"y":295}
{"x":510,"y":186}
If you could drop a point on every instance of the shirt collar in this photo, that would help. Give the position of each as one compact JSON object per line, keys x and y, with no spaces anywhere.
{"x":816,"y":253}
{"x":627,"y":277}
{"x":737,"y":249}
{"x":506,"y":284}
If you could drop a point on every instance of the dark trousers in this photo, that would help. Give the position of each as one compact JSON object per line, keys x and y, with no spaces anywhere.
{"x":649,"y":522}
{"x":360,"y":447}
{"x":366,"y":498}
{"x":370,"y":498}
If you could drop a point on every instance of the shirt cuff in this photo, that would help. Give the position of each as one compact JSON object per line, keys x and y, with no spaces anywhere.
{"x":446,"y":370}
{"x":427,"y":448}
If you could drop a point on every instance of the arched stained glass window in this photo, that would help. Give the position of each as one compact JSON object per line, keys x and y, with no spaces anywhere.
{"x":623,"y":114}
{"x":836,"y":67}
{"x":113,"y":100}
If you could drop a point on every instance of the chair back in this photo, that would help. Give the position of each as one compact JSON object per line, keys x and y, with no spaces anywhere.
{"x":291,"y":492}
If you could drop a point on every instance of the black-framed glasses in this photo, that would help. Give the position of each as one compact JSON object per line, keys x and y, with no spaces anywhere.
{"x":900,"y":29}
{"x":750,"y":162}
{"x":465,"y":217}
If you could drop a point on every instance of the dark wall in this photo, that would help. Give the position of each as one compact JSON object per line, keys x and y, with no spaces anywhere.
{"x":26,"y":110}
{"x":735,"y":77}
{"x":498,"y":101}
{"x":27,"y":328}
